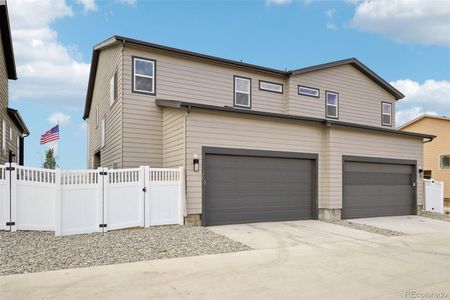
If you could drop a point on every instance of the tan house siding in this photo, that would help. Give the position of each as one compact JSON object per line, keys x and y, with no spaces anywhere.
{"x":364,"y":143}
{"x":223,"y":130}
{"x":11,"y":144}
{"x":173,"y":138}
{"x":185,"y":79}
{"x":433,"y":150}
{"x":109,"y":62}
{"x":359,"y":97}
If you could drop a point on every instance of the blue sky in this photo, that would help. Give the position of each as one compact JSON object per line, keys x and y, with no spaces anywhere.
{"x":405,"y":42}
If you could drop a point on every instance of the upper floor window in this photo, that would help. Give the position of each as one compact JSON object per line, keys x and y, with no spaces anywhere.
{"x":271,"y":86}
{"x":308,"y":91}
{"x":144,"y":75}
{"x":386,"y":114}
{"x":445,"y":161}
{"x":242,"y":92}
{"x":113,"y":89}
{"x":3,"y":137}
{"x":103,"y":137}
{"x":97,"y":116}
{"x":332,"y":105}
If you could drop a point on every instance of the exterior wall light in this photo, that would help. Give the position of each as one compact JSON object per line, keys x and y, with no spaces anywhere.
{"x":196,"y":163}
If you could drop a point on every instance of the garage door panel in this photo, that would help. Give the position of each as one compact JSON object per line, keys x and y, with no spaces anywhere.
{"x":374,"y":189}
{"x":243,"y":189}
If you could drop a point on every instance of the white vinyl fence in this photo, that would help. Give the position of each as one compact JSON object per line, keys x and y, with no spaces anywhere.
{"x":75,"y":202}
{"x":434,"y":196}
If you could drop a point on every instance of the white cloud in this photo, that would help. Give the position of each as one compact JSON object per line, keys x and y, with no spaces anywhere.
{"x":416,"y":21}
{"x":278,"y":2}
{"x":59,"y":118}
{"x":431,"y":97}
{"x":330,"y":19}
{"x":48,"y":71}
{"x":406,"y":115}
{"x":88,"y":5}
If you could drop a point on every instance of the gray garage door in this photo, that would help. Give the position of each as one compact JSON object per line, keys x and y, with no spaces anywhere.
{"x":375,"y":190}
{"x":245,"y":189}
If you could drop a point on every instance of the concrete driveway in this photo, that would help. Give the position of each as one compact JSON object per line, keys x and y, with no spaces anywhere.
{"x":407,"y":224}
{"x":294,"y":260}
{"x":269,"y":235}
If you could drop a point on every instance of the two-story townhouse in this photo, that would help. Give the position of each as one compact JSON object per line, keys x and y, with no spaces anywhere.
{"x":12,"y":127}
{"x":258,"y":144}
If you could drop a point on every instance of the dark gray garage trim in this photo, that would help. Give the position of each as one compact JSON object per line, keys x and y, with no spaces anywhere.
{"x":378,"y":160}
{"x":262,"y":153}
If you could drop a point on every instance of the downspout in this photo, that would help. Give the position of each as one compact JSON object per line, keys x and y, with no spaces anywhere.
{"x":188,"y":110}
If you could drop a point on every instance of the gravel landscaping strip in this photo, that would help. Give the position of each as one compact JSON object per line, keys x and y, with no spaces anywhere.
{"x":368,"y":228}
{"x":26,"y":251}
{"x":437,"y":216}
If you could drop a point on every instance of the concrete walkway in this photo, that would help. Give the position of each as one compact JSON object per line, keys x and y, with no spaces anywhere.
{"x":344,"y":268}
{"x":407,"y":224}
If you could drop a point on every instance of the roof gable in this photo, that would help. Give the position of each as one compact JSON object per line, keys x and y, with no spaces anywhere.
{"x":5,"y":32}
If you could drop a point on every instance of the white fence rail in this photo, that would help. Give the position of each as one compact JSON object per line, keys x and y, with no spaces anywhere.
{"x":84,"y":201}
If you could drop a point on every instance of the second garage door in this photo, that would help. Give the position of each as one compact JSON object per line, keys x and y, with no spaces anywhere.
{"x":377,"y":189}
{"x":255,"y":188}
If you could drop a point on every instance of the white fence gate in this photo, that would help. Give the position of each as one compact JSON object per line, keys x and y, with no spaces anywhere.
{"x":434,"y":196}
{"x":75,"y":202}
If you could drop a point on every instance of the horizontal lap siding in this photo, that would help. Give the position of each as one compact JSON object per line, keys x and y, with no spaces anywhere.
{"x":173,"y":138}
{"x":433,"y":150}
{"x":359,"y":97}
{"x":109,"y":61}
{"x":363,"y":143}
{"x":184,"y":79}
{"x":10,"y":144}
{"x":224,"y":130}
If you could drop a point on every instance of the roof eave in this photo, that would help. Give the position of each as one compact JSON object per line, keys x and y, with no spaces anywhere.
{"x":189,"y":105}
{"x":8,"y":50}
{"x":17,"y":119}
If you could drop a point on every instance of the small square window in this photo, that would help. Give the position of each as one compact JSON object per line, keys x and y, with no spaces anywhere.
{"x":386,"y":114}
{"x":332,"y":105}
{"x":445,"y":162}
{"x":242,"y":92}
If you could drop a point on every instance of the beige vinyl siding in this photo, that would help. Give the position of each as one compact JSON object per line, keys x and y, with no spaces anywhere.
{"x":370,"y":144}
{"x":185,"y":79}
{"x":10,"y":144}
{"x":173,"y":138}
{"x":359,"y":97}
{"x":433,"y":150}
{"x":234,"y":131}
{"x":244,"y":132}
{"x":109,"y":62}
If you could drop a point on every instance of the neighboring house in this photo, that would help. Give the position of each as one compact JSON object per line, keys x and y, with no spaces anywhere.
{"x":258,"y":144}
{"x":12,"y":128}
{"x":436,"y":162}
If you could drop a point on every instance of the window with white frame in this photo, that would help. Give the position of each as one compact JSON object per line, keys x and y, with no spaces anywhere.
{"x":386,"y":114}
{"x":103,"y":142}
{"x":242,"y":92}
{"x":332,"y":105}
{"x":445,"y":161}
{"x":113,"y":89}
{"x":144,"y":75}
{"x":97,"y":119}
{"x":10,"y":133}
{"x":3,"y":137}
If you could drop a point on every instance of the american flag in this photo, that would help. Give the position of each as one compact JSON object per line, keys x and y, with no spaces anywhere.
{"x":51,"y":135}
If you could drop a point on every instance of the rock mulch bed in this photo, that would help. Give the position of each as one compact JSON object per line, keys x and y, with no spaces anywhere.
{"x":437,"y":216}
{"x":368,"y":228}
{"x":25,"y":251}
